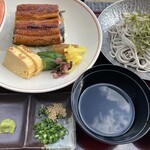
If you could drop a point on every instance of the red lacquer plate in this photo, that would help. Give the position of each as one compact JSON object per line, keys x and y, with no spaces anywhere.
{"x":2,"y":12}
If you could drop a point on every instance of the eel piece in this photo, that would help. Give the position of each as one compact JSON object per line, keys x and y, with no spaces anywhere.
{"x":37,"y":31}
{"x":50,"y":23}
{"x":36,"y":15}
{"x":38,"y":25}
{"x":38,"y":7}
{"x":37,"y":11}
{"x":37,"y":40}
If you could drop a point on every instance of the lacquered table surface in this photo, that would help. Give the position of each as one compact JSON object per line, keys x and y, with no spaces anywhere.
{"x":84,"y":141}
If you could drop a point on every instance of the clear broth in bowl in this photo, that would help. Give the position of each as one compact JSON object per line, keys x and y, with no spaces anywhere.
{"x":106,"y":109}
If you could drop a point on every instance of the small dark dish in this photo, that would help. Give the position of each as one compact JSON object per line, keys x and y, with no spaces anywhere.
{"x":23,"y":109}
{"x":131,"y":87}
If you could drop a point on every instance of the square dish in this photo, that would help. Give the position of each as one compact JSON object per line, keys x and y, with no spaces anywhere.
{"x":14,"y":107}
{"x":23,"y":109}
{"x":36,"y":101}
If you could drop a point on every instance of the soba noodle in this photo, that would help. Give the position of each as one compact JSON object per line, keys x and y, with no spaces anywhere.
{"x":124,"y":45}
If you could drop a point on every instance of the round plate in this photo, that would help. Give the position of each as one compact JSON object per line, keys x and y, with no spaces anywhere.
{"x":81,"y":27}
{"x":113,"y":14}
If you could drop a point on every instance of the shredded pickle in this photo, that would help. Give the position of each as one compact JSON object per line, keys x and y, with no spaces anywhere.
{"x":74,"y":55}
{"x":139,"y":26}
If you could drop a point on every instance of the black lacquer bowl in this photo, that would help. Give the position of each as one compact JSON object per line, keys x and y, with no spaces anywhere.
{"x":88,"y":112}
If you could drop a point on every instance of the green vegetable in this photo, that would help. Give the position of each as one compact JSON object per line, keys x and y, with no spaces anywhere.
{"x":139,"y":25}
{"x":7,"y":126}
{"x":42,"y":111}
{"x":49,"y":59}
{"x":48,"y":131}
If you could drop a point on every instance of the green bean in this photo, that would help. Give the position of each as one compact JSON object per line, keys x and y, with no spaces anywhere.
{"x":49,"y":58}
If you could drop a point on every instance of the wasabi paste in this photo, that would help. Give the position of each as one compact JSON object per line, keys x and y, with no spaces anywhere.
{"x":7,"y":126}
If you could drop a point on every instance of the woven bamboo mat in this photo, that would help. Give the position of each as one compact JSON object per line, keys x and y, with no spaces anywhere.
{"x":98,"y":5}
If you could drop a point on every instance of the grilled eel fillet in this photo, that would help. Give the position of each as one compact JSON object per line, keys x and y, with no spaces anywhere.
{"x":38,"y":25}
{"x":37,"y":11}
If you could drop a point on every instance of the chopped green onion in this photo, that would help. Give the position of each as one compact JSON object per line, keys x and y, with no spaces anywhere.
{"x":48,"y":131}
{"x":139,"y":25}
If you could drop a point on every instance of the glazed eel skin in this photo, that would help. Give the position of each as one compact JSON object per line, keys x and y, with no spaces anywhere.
{"x":38,"y":25}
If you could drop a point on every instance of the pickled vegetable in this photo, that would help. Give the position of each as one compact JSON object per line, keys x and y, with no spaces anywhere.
{"x":49,"y":59}
{"x":74,"y":55}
